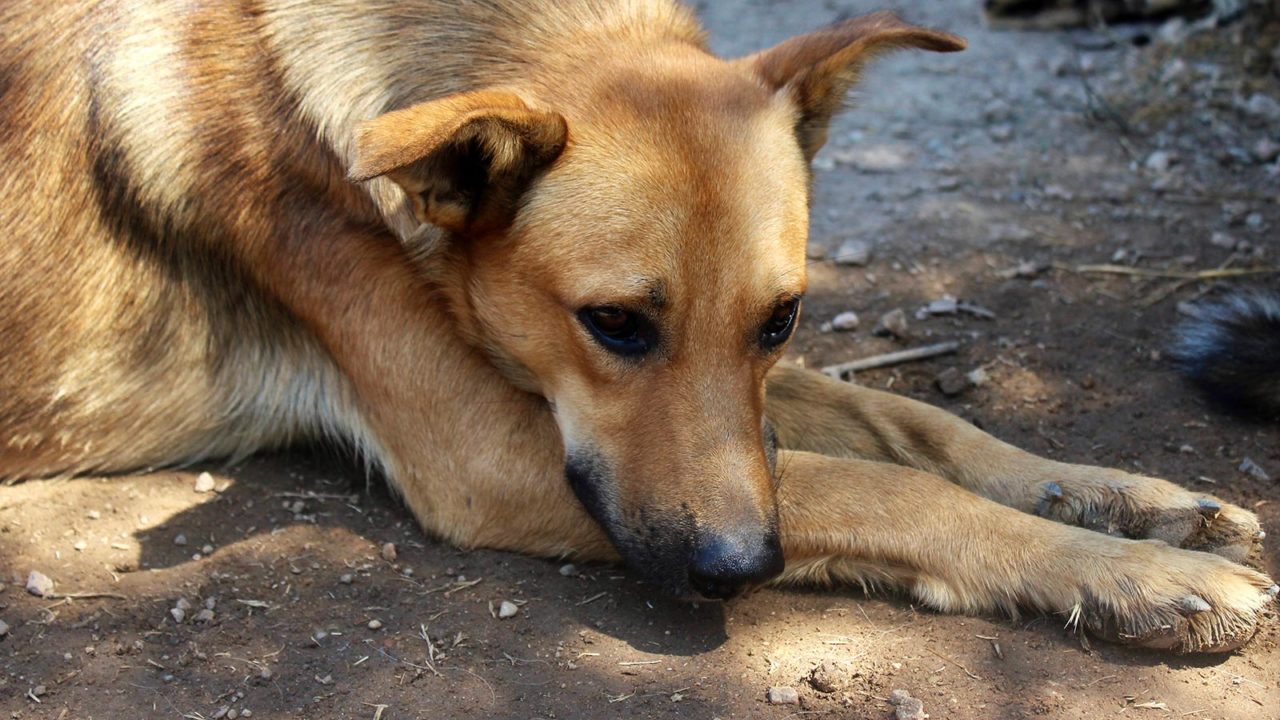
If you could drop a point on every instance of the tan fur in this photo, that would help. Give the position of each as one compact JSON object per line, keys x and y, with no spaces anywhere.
{"x":188,"y":273}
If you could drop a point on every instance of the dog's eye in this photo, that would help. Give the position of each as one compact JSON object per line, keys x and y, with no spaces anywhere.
{"x":617,"y":330}
{"x":778,"y":327}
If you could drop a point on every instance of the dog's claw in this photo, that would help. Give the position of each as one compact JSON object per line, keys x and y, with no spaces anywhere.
{"x":1052,"y":491}
{"x":1193,"y":605}
{"x":1210,"y":509}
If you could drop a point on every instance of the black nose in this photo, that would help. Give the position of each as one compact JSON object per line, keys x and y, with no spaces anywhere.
{"x":725,"y":565}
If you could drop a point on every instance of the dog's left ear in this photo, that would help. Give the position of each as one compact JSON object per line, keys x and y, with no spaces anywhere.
{"x":463,"y":160}
{"x":817,"y":69}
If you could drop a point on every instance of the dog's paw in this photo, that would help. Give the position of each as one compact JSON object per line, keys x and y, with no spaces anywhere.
{"x":1165,"y":598}
{"x":1138,"y":507}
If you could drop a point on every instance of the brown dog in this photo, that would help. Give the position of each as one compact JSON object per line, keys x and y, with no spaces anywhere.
{"x":576,"y":248}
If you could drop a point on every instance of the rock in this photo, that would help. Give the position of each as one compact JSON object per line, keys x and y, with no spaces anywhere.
{"x":783,"y":695}
{"x":1001,"y":132}
{"x":568,"y":570}
{"x":179,"y":615}
{"x":1058,"y":192}
{"x":946,"y":305}
{"x":39,"y":584}
{"x":874,"y":159}
{"x":845,"y":321}
{"x":204,"y":483}
{"x":1009,"y":232}
{"x":388,"y":552}
{"x":997,"y":111}
{"x":1255,"y":222}
{"x":207,"y":549}
{"x":1160,"y":161}
{"x":892,"y":323}
{"x":80,"y":545}
{"x":180,"y":540}
{"x":906,"y":707}
{"x":1222,"y":240}
{"x":854,"y":252}
{"x":814,"y":251}
{"x":183,"y":604}
{"x":4,"y":628}
{"x":1253,"y":469}
{"x":951,"y":382}
{"x":977,"y":377}
{"x":204,"y":616}
{"x":1263,"y":108}
{"x":1173,"y":31}
{"x":347,"y":578}
{"x":1266,"y":150}
{"x":827,"y":677}
{"x":507,"y":609}
{"x":375,"y":624}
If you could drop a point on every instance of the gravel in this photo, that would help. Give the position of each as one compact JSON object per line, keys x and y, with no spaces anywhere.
{"x":388,"y":552}
{"x":507,"y":609}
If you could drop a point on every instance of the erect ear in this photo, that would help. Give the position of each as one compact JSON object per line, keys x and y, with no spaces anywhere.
{"x":817,"y":69}
{"x":463,"y":160}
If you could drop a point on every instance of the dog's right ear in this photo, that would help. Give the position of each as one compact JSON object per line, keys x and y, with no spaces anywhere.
{"x":463,"y":160}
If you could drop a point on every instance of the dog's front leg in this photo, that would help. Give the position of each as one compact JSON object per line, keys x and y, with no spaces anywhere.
{"x":814,"y":413}
{"x":851,"y":521}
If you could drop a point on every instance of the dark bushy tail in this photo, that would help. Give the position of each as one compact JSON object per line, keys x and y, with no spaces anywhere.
{"x":1231,"y":349}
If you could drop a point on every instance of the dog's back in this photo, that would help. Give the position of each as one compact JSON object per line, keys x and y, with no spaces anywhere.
{"x":159,"y":154}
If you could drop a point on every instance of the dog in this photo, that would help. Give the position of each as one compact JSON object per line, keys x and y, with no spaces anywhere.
{"x":536,"y":261}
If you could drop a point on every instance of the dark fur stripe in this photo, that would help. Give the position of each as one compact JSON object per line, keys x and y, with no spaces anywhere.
{"x":1231,"y":349}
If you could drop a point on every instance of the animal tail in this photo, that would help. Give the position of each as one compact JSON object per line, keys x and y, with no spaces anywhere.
{"x":1230,"y":348}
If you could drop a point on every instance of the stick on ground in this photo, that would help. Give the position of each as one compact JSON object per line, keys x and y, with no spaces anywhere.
{"x":839,"y":370}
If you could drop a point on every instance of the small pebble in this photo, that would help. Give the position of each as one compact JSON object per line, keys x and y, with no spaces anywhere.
{"x":80,"y":545}
{"x":856,"y":253}
{"x":232,"y":714}
{"x":783,"y":695}
{"x":179,"y":615}
{"x":375,"y":624}
{"x":507,"y":609}
{"x":1222,"y":240}
{"x":952,"y":382}
{"x":39,"y":691}
{"x":826,"y":678}
{"x":906,"y":707}
{"x":4,"y":628}
{"x":347,"y":578}
{"x":204,"y":483}
{"x":1266,"y":150}
{"x":39,"y":584}
{"x":388,"y":552}
{"x":569,"y":570}
{"x":892,"y":323}
{"x":204,"y":616}
{"x":845,"y":321}
{"x":1253,"y":469}
{"x":180,"y":540}
{"x":1160,"y":161}
{"x":183,"y":604}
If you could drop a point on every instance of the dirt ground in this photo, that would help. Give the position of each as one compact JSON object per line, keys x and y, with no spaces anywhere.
{"x":989,"y":176}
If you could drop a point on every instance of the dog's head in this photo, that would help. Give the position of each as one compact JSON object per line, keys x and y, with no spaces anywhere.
{"x":627,"y":239}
